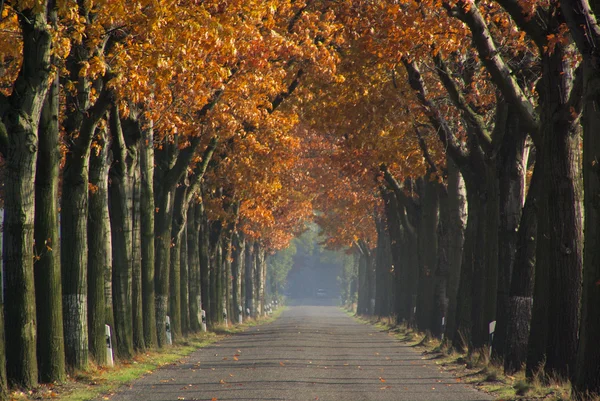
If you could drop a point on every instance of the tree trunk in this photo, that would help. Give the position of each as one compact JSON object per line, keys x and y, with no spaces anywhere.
{"x":216,"y":299}
{"x":120,"y":209}
{"x":458,"y":219}
{"x":380,"y":295}
{"x":137,"y":313}
{"x":520,"y":301}
{"x":560,"y":229}
{"x":227,"y":282}
{"x":248,"y":279}
{"x":99,"y":247}
{"x":21,"y":123}
{"x":258,"y":285}
{"x":194,"y":222}
{"x":185,"y":280}
{"x":204,"y":248}
{"x":427,"y":249}
{"x":237,"y":268}
{"x":179,"y":222}
{"x":490,"y":283}
{"x":3,"y":380}
{"x":74,"y":255}
{"x":512,"y":169}
{"x":147,"y":236}
{"x":261,"y":269}
{"x":394,"y":229}
{"x":461,"y":337}
{"x":217,"y":277}
{"x":50,"y":340}
{"x":164,"y":194}
{"x":440,"y":278}
{"x":587,"y":373}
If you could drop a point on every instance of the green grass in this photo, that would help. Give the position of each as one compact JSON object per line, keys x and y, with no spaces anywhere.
{"x":98,"y":381}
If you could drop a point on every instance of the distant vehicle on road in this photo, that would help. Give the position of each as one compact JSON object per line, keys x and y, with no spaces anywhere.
{"x":321,"y":293}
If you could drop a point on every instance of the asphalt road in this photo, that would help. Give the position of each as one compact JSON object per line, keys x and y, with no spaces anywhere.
{"x":310,"y":353}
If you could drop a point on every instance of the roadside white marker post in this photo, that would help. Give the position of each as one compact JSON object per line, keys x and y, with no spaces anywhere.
{"x":240,"y":314}
{"x":168,"y":331}
{"x":109,"y":347}
{"x":225,"y":315}
{"x":443,"y":326}
{"x":203,"y":320}
{"x":492,"y":330}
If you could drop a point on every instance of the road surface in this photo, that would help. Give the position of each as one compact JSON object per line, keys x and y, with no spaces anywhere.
{"x":310,"y":353}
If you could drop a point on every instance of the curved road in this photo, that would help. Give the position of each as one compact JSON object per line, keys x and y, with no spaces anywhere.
{"x":310,"y":353}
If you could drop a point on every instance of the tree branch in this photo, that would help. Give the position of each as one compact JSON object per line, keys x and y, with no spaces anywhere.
{"x":498,"y":69}
{"x":436,"y":118}
{"x":425,"y":150}
{"x":471,"y":117}
{"x":119,"y":150}
{"x":583,"y":26}
{"x":284,"y":95}
{"x":532,"y":25}
{"x":200,"y":169}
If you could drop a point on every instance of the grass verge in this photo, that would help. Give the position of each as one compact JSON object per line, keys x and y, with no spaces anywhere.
{"x":475,"y":367}
{"x":100,"y":382}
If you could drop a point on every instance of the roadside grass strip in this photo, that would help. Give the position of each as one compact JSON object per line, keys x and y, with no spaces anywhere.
{"x":101,"y":382}
{"x":474,"y":367}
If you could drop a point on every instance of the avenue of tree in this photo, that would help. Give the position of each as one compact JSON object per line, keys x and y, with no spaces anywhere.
{"x":156,"y":154}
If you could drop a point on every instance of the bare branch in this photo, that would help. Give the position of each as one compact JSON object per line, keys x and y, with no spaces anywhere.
{"x":474,"y":120}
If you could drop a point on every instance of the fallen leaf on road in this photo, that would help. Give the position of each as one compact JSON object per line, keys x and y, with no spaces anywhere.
{"x":381,"y":379}
{"x":235,"y":358}
{"x":282,"y":364}
{"x":222,"y":381}
{"x":213,"y":399}
{"x":385,"y":387}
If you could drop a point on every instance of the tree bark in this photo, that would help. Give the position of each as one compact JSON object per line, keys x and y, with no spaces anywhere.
{"x":587,"y":373}
{"x":120,"y":209}
{"x":137,"y":313}
{"x":194,"y":222}
{"x":396,"y":238}
{"x":427,"y":249}
{"x":237,"y":267}
{"x":185,"y":280}
{"x":21,"y":119}
{"x":560,"y":221}
{"x":50,"y":340}
{"x":259,"y":287}
{"x":99,"y":247}
{"x":458,"y":218}
{"x":249,"y":266}
{"x":583,"y":25}
{"x":178,"y":225}
{"x":147,"y":236}
{"x":520,"y":301}
{"x":443,"y":267}
{"x":215,"y":299}
{"x":511,"y":168}
{"x":204,"y":248}
{"x":164,"y":194}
